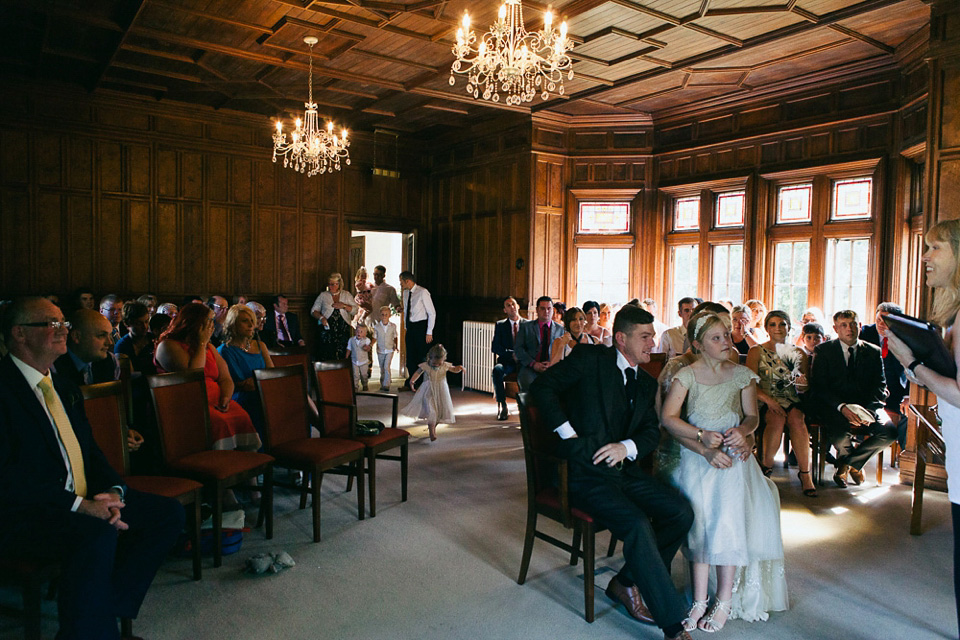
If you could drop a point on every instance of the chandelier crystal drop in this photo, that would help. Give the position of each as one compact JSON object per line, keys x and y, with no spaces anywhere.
{"x":311,"y":149}
{"x":510,"y":60}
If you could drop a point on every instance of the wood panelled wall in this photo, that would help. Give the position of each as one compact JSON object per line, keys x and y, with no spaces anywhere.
{"x":130,"y":196}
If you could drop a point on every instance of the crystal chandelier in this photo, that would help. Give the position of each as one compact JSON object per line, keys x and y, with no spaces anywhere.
{"x":311,"y":149}
{"x":509,"y":59}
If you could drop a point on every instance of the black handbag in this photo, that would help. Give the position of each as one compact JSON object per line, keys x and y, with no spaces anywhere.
{"x":369,"y":427}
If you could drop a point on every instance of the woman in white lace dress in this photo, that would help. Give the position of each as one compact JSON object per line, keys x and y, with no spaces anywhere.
{"x":736,"y":524}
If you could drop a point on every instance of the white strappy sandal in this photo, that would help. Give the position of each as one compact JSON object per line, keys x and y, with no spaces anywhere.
{"x":697,"y":609}
{"x":707,"y":622}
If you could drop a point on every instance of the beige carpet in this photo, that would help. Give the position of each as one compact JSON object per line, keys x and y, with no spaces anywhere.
{"x":444,"y":564}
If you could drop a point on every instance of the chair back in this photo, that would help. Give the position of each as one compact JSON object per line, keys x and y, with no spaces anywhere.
{"x":183,"y":414}
{"x":126,"y":377}
{"x":105,"y":407}
{"x":283,"y":396}
{"x":538,"y":442}
{"x":285,"y":359}
{"x":655,"y":366}
{"x":335,"y":387}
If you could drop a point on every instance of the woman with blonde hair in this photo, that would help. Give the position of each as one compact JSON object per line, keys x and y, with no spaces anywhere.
{"x":334,"y":310}
{"x":758,"y":312}
{"x":363,"y":296}
{"x":941,"y":263}
{"x":244,"y":352}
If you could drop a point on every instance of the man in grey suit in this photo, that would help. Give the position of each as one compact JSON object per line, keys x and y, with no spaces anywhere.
{"x":534,"y":341}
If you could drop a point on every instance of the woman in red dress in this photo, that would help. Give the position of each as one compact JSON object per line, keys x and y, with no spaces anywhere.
{"x":186,"y":345}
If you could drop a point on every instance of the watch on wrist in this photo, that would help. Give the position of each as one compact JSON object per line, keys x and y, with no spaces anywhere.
{"x":913,"y":366}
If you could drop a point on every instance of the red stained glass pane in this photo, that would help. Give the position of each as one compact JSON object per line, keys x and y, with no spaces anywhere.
{"x":793,"y":203}
{"x":686,"y":214}
{"x":851,"y":199}
{"x":604,"y":217}
{"x":730,"y":209}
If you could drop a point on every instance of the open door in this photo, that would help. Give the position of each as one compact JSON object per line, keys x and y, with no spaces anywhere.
{"x":358,"y":256}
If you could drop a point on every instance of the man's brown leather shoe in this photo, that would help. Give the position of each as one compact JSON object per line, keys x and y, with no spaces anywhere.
{"x":684,"y":635}
{"x":630,"y":598}
{"x":857,"y":476}
{"x":840,"y":477}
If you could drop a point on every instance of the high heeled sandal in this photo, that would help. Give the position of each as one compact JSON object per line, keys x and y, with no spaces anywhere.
{"x":766,"y":471}
{"x":810,"y":493}
{"x":697,"y":609}
{"x":707,"y":622}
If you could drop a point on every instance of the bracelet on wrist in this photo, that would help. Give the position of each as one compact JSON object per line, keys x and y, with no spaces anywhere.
{"x":700,"y":435}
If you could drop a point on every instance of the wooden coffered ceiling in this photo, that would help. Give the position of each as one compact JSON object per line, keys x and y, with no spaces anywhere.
{"x":386,"y":63}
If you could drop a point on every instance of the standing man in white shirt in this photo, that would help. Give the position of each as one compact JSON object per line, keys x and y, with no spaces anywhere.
{"x":419,"y":317}
{"x":674,"y":340}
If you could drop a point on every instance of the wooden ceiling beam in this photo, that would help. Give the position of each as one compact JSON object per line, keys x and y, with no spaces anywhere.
{"x":740,"y":11}
{"x":367,"y":22}
{"x":69,"y":13}
{"x":210,"y":16}
{"x":863,"y":38}
{"x":443,"y":107}
{"x":129,"y":12}
{"x":157,"y":71}
{"x":133,"y":83}
{"x":750,"y":43}
{"x":69,"y":53}
{"x":156,"y":53}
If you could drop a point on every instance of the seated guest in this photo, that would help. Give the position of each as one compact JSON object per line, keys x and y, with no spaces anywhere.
{"x":758,"y":313}
{"x":243,"y":353}
{"x":240,"y":299}
{"x":168,"y":309}
{"x":740,"y":319}
{"x":150,"y":302}
{"x":591,"y":309}
{"x":898,"y":389}
{"x":674,"y":340}
{"x":281,"y":330}
{"x":220,"y":306}
{"x":186,"y":345}
{"x":574,"y":322}
{"x":89,"y":359}
{"x":558,"y":310}
{"x":82,"y":298}
{"x":811,"y":314}
{"x":606,"y":316}
{"x":727,"y":303}
{"x":658,"y":327}
{"x":534,"y":341}
{"x":138,"y":343}
{"x":61,"y":500}
{"x":504,"y":336}
{"x":782,"y":369}
{"x":158,"y":324}
{"x":810,"y":336}
{"x":261,"y":314}
{"x":110,"y":308}
{"x":848,"y":387}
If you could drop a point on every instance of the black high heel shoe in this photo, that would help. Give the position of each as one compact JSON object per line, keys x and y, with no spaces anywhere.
{"x":810,"y":493}
{"x":766,"y":471}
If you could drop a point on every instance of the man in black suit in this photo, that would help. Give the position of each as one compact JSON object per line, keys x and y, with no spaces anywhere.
{"x":897,"y":386}
{"x":281,"y":329}
{"x":534,"y":342}
{"x":848,"y":389}
{"x":89,"y":358}
{"x":602,"y":408}
{"x":504,"y":336}
{"x":60,"y":499}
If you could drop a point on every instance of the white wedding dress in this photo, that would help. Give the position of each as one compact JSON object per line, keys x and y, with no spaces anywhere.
{"x":736,"y":510}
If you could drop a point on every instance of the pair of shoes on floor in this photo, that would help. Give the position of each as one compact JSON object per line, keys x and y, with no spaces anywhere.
{"x":708,"y":622}
{"x":502,"y":411}
{"x":630,"y":598}
{"x":810,"y":493}
{"x":269,"y":562}
{"x":840,"y":476}
{"x":856,"y":476}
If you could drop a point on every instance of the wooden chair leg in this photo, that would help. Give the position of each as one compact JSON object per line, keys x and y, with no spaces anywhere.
{"x":358,"y":471}
{"x":880,"y":468}
{"x":315,"y":507}
{"x":528,"y":539}
{"x":588,"y":568}
{"x":403,"y":473}
{"x":195,"y":536}
{"x":349,"y":483}
{"x":372,"y":468}
{"x":218,"y":527}
{"x":613,"y":546}
{"x":575,"y":545}
{"x":305,"y":488}
{"x":266,"y":499}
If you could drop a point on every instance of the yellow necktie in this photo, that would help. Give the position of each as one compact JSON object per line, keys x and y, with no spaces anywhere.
{"x":67,"y":436}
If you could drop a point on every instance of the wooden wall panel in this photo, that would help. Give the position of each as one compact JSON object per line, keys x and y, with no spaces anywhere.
{"x":288,"y":251}
{"x":167,"y":173}
{"x":265,"y":249}
{"x":48,"y":216}
{"x":138,"y":167}
{"x":80,"y":164}
{"x":111,"y":167}
{"x":244,"y":262}
{"x":167,"y":272}
{"x":138,"y":261}
{"x":242,"y":180}
{"x":15,"y":228}
{"x":191,"y":238}
{"x":49,"y":162}
{"x":216,"y":177}
{"x":108,"y":248}
{"x":14,"y":153}
{"x":81,"y":255}
{"x":216,"y":238}
{"x":191,"y":175}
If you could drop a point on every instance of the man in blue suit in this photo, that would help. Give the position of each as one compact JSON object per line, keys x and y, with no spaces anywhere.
{"x":534,"y":342}
{"x":60,"y":499}
{"x":281,"y":329}
{"x":504,"y":337}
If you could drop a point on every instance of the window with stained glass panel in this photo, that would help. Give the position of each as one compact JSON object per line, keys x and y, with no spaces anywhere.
{"x":793,"y":203}
{"x":730,"y":209}
{"x":686,"y":214}
{"x":727,"y":274}
{"x":604,"y":217}
{"x":851,"y":199}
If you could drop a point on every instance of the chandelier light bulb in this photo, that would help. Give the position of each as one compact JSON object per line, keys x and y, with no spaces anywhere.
{"x":502,"y":14}
{"x":466,"y":21}
{"x":548,"y":20}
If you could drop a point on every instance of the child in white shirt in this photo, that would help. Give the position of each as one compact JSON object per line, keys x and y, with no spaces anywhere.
{"x":358,"y":350}
{"x":386,"y":335}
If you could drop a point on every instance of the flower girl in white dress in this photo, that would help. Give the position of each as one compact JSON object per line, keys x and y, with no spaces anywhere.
{"x":736,"y":524}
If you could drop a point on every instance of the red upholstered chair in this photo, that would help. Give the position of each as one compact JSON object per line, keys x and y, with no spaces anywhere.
{"x":546,"y":499}
{"x":337,"y":403}
{"x":105,"y":405}
{"x":283,"y":395}
{"x":655,"y":366}
{"x":180,"y":402}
